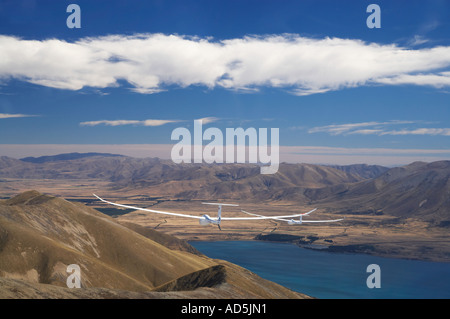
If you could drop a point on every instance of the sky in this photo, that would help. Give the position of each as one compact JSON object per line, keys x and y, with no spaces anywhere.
{"x":339,"y":91}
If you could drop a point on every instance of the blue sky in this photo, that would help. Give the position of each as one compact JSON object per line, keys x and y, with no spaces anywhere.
{"x":311,"y":68}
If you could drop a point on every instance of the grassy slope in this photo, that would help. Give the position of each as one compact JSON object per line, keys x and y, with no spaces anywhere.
{"x":40,"y":235}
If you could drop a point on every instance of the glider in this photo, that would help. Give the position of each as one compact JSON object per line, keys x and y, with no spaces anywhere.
{"x":205,"y":219}
{"x":300,"y":221}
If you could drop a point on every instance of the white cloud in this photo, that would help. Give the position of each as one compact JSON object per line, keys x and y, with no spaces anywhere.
{"x":438,"y":80}
{"x":8,"y":116}
{"x":158,"y":122}
{"x":149,"y":122}
{"x":378,"y":128}
{"x":418,"y":40}
{"x":207,"y":120}
{"x":153,"y":62}
{"x":337,"y":129}
{"x":355,"y":128}
{"x":420,"y":131}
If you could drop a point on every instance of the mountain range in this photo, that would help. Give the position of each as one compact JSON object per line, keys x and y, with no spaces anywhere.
{"x":182,"y":180}
{"x":419,"y":190}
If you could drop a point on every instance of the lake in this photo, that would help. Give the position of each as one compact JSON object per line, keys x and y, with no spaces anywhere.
{"x":334,"y":275}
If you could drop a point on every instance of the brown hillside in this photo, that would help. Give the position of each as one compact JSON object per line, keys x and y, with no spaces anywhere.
{"x":188,"y":181}
{"x":419,"y":190}
{"x":45,"y":233}
{"x":40,"y":235}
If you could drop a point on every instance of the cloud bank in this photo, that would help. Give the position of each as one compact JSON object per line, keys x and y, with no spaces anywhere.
{"x":153,"y":62}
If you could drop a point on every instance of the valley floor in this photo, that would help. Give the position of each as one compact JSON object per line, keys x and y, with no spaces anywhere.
{"x":381,"y":235}
{"x":376,"y":235}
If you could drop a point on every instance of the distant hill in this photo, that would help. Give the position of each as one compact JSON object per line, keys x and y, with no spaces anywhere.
{"x":363,"y":170}
{"x":418,"y":190}
{"x":188,"y":181}
{"x":102,"y":167}
{"x":64,"y":157}
{"x":233,"y":181}
{"x":7,"y":163}
{"x":41,"y":235}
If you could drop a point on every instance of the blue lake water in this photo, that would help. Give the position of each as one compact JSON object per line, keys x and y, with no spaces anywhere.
{"x":334,"y":275}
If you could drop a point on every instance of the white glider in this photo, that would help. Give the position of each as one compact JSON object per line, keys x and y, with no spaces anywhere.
{"x":300,"y":221}
{"x":206,"y":219}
